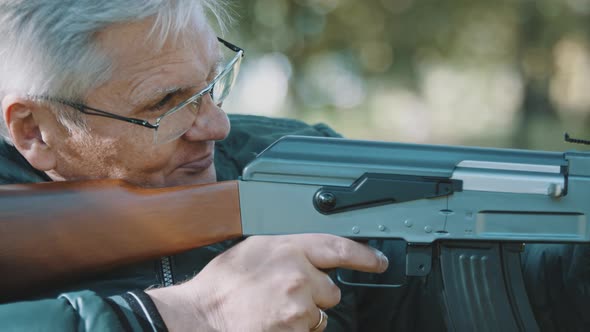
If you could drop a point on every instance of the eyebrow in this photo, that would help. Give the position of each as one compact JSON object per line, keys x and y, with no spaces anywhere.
{"x":159,"y":94}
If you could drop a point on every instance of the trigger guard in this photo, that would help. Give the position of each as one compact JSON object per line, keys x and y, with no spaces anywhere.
{"x":341,"y":279}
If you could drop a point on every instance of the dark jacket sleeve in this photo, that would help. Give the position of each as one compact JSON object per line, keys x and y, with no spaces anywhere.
{"x":83,"y":311}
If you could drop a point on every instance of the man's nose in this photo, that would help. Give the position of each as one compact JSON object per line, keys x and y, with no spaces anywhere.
{"x":211,"y":122}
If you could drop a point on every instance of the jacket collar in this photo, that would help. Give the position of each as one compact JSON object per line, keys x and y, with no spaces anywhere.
{"x":14,"y":168}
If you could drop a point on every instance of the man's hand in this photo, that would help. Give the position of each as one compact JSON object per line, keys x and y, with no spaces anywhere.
{"x":266,"y":283}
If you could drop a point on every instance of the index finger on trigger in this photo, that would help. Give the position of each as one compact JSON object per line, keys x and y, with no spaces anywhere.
{"x":330,"y":251}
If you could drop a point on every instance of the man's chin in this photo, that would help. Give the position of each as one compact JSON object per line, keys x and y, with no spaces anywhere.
{"x":183,"y":177}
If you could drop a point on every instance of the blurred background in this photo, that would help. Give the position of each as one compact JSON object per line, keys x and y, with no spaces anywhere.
{"x":505,"y":73}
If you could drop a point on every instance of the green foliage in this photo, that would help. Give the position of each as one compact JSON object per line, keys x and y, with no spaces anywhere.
{"x":508,"y":63}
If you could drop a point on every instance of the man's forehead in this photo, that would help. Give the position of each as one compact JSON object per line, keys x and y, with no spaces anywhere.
{"x":144,"y":65}
{"x":126,"y":42}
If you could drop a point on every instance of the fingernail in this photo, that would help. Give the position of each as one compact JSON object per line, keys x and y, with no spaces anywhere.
{"x":384,"y":262}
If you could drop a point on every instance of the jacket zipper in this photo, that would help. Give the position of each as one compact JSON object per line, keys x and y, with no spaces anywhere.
{"x":167,"y":277}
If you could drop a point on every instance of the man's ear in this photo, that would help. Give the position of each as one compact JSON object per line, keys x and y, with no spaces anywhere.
{"x":25,"y":120}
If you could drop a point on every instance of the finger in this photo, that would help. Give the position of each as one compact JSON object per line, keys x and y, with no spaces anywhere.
{"x":324,"y":292}
{"x":327,"y":251}
{"x":321,"y":322}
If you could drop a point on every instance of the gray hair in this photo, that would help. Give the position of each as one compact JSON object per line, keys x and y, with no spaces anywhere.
{"x":48,"y":47}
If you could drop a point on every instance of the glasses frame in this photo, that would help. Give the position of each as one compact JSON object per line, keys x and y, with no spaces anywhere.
{"x":208,"y":89}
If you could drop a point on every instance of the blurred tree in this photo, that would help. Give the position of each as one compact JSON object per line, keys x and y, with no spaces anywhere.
{"x":355,"y":46}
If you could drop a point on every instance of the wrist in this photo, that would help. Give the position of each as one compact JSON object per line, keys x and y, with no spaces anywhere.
{"x":179,"y":310}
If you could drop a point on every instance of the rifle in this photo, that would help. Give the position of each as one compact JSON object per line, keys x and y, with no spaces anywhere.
{"x":464,"y":212}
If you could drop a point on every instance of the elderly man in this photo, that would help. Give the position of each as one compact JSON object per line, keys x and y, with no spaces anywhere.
{"x":133,"y":89}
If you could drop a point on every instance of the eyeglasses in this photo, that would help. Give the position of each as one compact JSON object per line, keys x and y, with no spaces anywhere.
{"x":177,"y":121}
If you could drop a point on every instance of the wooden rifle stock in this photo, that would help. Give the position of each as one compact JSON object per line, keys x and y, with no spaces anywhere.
{"x":52,"y":232}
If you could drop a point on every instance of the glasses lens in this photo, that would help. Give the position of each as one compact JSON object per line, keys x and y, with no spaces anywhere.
{"x":176,"y":124}
{"x":223,"y":86}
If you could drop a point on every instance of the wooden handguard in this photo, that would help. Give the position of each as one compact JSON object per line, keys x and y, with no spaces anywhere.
{"x":53,"y":232}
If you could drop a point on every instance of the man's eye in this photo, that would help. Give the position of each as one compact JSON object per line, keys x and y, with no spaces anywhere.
{"x":162,"y":103}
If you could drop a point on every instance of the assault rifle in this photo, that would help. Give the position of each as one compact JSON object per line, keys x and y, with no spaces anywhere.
{"x":464,"y":212}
